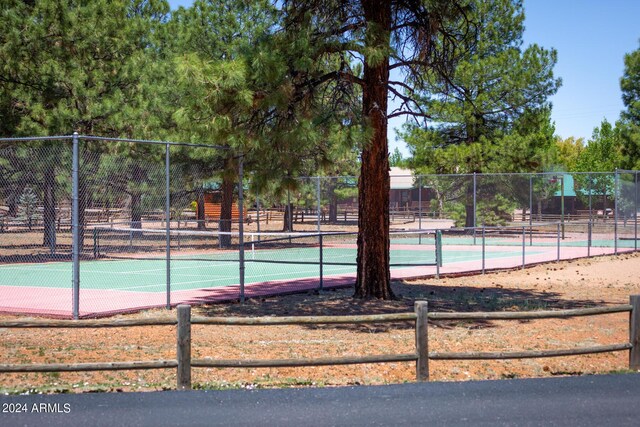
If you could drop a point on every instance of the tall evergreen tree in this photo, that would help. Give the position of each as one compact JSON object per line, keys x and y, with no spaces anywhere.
{"x":214,"y":98}
{"x":630,"y":85}
{"x":491,"y":114}
{"x":370,"y":38}
{"x":69,"y":65}
{"x":239,"y":86}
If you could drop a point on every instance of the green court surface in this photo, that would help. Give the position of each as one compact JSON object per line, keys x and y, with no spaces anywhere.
{"x":219,"y":269}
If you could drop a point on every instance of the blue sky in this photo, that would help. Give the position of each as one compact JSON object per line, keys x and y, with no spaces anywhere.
{"x":591,"y":37}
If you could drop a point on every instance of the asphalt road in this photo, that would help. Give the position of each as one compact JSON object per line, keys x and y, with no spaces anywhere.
{"x":612,"y":400}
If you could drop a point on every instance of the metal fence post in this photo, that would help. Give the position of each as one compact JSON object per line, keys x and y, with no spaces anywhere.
{"x":562,"y":204}
{"x":241,"y":225}
{"x":75,"y":227}
{"x":558,"y":257}
{"x":289,"y":212}
{"x":589,"y":237}
{"x":524,"y":239}
{"x":321,"y":261}
{"x":422,"y":340}
{"x":258,"y":215}
{"x":420,"y":208}
{"x":530,"y":210}
{"x":483,"y":248}
{"x":167,"y":214}
{"x":184,"y":347}
{"x":319,"y":202}
{"x":438,"y":240}
{"x":474,"y":207}
{"x":634,"y":332}
{"x":615,"y":211}
{"x":635,"y":215}
{"x":590,"y":196}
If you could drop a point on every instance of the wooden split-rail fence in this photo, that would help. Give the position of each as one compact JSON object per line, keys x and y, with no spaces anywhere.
{"x":184,"y":363}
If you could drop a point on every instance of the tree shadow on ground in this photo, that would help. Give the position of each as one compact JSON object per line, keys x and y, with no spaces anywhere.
{"x":441,"y":298}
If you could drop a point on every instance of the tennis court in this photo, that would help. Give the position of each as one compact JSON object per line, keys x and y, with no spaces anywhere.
{"x":127,"y":269}
{"x":149,"y":275}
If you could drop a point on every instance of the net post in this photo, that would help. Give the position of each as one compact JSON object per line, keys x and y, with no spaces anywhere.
{"x":168,"y":222}
{"x":438,"y":241}
{"x":75,"y":227}
{"x":241,"y":225}
{"x":422,"y":340}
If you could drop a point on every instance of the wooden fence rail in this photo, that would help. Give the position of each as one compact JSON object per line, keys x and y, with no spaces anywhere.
{"x":421,"y":316}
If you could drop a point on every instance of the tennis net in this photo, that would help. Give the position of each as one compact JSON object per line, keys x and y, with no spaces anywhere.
{"x":408,"y":248}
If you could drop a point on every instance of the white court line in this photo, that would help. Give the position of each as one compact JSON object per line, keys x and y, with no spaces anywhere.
{"x":253,"y":278}
{"x":154,"y":270}
{"x":36,"y":268}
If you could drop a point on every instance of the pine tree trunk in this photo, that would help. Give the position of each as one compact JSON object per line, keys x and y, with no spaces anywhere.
{"x":469,"y":208}
{"x":226,"y":208}
{"x":49,"y":211}
{"x":200,"y":209}
{"x":373,"y":278}
{"x":287,"y":223}
{"x":137,"y":177}
{"x":333,"y":200}
{"x":136,"y":214}
{"x":12,"y":202}
{"x":539,"y":210}
{"x":333,"y":209}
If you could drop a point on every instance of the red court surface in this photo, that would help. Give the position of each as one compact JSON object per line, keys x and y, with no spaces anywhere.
{"x":57,"y":302}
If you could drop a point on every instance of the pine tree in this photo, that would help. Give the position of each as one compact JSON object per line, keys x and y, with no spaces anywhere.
{"x":492,"y":113}
{"x":346,"y":44}
{"x":79,"y":66}
{"x":28,"y":207}
{"x":630,"y":85}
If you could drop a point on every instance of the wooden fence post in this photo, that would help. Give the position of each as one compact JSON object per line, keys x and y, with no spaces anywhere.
{"x":184,"y":347}
{"x":634,"y":332}
{"x":422,"y":341}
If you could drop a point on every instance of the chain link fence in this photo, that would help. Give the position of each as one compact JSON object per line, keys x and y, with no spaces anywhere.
{"x":92,"y":225}
{"x":68,"y":202}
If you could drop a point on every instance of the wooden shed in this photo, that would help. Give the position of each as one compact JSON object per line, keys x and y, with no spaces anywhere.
{"x":212,"y":207}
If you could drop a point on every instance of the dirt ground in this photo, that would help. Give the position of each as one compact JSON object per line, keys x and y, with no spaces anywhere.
{"x":581,"y":283}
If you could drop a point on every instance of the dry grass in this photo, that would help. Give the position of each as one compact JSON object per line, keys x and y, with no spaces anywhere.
{"x":573,"y":284}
